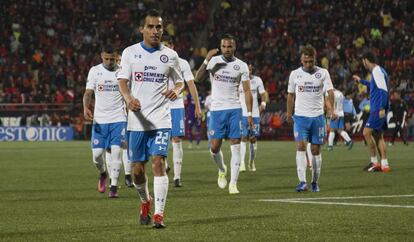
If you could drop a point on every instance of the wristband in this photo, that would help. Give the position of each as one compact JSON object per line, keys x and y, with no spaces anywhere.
{"x":205,"y":62}
{"x":249,"y":114}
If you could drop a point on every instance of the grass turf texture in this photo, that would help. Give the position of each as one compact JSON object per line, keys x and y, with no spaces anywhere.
{"x":49,"y":194}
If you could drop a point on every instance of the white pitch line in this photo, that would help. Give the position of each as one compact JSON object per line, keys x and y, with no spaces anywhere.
{"x":335,"y":198}
{"x":337,"y":203}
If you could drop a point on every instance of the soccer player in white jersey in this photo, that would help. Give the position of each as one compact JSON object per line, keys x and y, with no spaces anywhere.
{"x":109,"y":118}
{"x":257,"y":87}
{"x":178,"y":112}
{"x":125,"y":159}
{"x":306,"y":89}
{"x":147,"y":66}
{"x":226,"y":72}
{"x":337,"y":122}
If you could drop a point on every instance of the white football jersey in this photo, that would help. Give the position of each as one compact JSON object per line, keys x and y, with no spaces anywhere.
{"x":148,"y":71}
{"x":339,"y":103}
{"x":225,"y":79}
{"x":188,"y":76}
{"x":207,"y":105}
{"x":256,"y":86}
{"x":109,"y":105}
{"x":309,"y":89}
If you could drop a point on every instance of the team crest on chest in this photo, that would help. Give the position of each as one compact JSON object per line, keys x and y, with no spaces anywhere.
{"x":318,"y":75}
{"x":236,"y":67}
{"x":100,"y":87}
{"x":164,"y":58}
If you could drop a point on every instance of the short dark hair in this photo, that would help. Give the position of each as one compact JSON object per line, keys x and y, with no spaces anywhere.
{"x":108,"y":49}
{"x":369,"y":55}
{"x":308,"y":50}
{"x":228,"y":36}
{"x":150,"y":13}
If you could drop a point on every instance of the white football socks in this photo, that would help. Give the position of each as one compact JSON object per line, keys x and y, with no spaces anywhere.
{"x":301,"y":165}
{"x":235,"y":163}
{"x":242,"y":153}
{"x":253,"y":151}
{"x":177,"y":159}
{"x":218,"y":159}
{"x":143,"y":192}
{"x":126,"y":161}
{"x":98,"y":160}
{"x":384,"y":163}
{"x":108,"y":161}
{"x":160,"y":193}
{"x":374,"y":160}
{"x":331,"y":138}
{"x":116,"y":163}
{"x":345,"y":135}
{"x":316,"y":167}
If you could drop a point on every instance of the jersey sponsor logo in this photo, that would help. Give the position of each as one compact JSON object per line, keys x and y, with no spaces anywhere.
{"x":318,"y":75}
{"x":301,"y":88}
{"x":224,"y":78}
{"x":108,"y":87}
{"x":236,"y":67}
{"x":164,"y":58}
{"x":309,"y":88}
{"x":138,"y":76}
{"x":150,"y":68}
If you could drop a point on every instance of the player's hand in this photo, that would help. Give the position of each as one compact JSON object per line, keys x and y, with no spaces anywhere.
{"x":250,"y":122}
{"x":87,"y":114}
{"x":356,"y":78}
{"x":289,"y":119}
{"x":211,"y":53}
{"x":171,"y":94}
{"x":334,"y":117}
{"x":262,"y":107}
{"x":198,"y":113}
{"x":382,"y":113}
{"x":133,"y":104}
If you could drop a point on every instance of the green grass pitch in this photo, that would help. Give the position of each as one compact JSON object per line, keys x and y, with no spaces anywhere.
{"x":48,"y":193}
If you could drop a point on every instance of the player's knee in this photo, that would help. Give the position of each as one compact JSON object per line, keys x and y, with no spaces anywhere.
{"x":97,"y":155}
{"x":158,"y":166}
{"x":253,"y":140}
{"x":138,"y":170}
{"x":315,"y":150}
{"x":116,"y":153}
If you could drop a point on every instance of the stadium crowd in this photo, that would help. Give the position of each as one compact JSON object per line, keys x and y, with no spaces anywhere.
{"x":47,"y":47}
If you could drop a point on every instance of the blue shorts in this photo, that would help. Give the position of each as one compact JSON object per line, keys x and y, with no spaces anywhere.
{"x":177,"y":122}
{"x":309,"y":129}
{"x":143,"y":144}
{"x":376,"y":123}
{"x":106,"y":135}
{"x":225,"y":124}
{"x":338,"y":123}
{"x":245,"y":128}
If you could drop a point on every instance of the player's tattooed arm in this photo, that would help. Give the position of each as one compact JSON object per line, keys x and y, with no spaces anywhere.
{"x":201,"y":73}
{"x":87,"y":98}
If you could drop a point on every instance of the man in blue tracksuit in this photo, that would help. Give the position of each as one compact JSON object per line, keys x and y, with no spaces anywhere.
{"x":379,"y":105}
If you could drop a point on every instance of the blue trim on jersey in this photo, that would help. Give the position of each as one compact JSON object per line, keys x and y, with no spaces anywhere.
{"x":311,"y":129}
{"x":177,"y":121}
{"x":149,"y":49}
{"x":245,"y":127}
{"x":225,"y":123}
{"x":143,"y":144}
{"x":338,"y":123}
{"x":106,"y":135}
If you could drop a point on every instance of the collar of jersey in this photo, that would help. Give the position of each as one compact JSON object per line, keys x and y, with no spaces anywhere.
{"x":311,"y":73}
{"x":149,"y":49}
{"x":227,"y":61}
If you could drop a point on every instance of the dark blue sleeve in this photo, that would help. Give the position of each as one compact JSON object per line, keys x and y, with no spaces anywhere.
{"x":365,"y":82}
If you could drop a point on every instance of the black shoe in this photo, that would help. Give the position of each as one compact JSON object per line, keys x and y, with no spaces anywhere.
{"x":368,"y":166}
{"x":177,"y":183}
{"x":128,"y":181}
